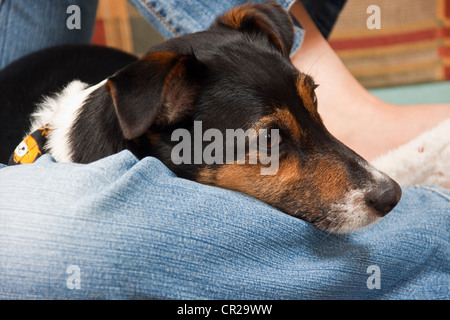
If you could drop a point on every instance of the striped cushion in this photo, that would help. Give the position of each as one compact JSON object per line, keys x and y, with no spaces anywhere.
{"x":412,"y":45}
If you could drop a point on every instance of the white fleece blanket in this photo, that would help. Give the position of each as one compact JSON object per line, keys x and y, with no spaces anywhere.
{"x":423,"y":160}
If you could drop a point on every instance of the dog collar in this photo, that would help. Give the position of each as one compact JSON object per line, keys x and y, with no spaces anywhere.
{"x":31,"y":148}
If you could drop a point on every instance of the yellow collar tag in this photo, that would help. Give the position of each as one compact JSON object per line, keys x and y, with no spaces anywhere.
{"x":31,"y":148}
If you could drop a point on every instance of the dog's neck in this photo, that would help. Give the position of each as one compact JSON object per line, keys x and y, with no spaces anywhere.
{"x":83,"y":123}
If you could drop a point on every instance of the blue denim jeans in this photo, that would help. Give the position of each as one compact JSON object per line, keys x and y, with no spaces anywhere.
{"x":29,"y":25}
{"x":120,"y":228}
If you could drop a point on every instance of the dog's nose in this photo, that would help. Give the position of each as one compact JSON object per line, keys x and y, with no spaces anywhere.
{"x":384,"y":197}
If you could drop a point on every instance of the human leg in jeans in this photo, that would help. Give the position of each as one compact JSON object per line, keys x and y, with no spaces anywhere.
{"x":28,"y":25}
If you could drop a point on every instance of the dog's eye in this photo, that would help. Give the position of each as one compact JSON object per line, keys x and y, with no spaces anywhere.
{"x":315,"y":100}
{"x":270,"y":138}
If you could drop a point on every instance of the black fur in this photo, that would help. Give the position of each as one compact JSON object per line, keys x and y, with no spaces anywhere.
{"x":90,"y":141}
{"x":25,"y":81}
{"x":211,"y":70}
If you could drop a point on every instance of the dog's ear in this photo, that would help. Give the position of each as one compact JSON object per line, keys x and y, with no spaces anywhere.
{"x":158,"y":89}
{"x":267,"y":18}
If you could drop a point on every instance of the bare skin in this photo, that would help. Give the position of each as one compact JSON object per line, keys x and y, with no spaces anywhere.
{"x":366,"y":124}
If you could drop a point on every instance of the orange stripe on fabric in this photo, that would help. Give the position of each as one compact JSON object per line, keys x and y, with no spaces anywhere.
{"x":447,"y":8}
{"x":444,"y":52}
{"x":446,"y":32}
{"x":392,"y":69}
{"x":98,"y":37}
{"x":385,"y":40}
{"x":447,"y":73}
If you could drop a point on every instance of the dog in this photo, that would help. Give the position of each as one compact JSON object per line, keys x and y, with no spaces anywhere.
{"x":237,"y":74}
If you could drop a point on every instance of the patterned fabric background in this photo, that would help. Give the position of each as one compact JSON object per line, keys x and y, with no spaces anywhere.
{"x":412,"y":45}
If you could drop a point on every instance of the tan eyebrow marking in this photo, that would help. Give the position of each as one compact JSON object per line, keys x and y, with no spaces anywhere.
{"x":305,"y":88}
{"x":283,"y":118}
{"x":236,"y":16}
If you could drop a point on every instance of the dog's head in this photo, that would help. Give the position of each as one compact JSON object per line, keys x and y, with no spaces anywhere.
{"x":238,"y":75}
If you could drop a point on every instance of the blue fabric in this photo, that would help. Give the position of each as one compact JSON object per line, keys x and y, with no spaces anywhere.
{"x":29,"y":25}
{"x":134,"y":230}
